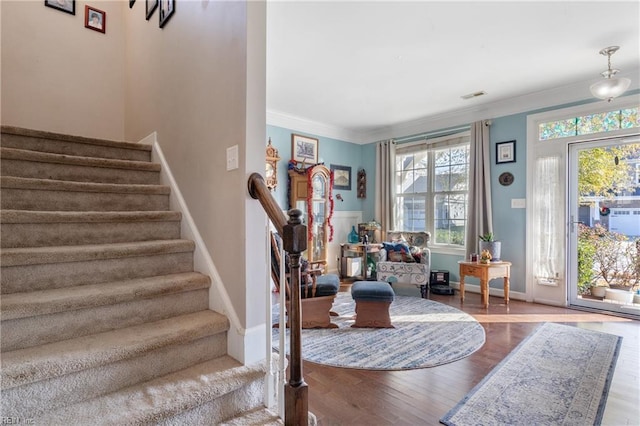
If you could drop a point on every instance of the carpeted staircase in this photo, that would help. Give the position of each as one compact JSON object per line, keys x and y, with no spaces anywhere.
{"x":104,"y":320}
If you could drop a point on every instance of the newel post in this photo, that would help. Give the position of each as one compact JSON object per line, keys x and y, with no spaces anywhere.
{"x":294,"y":240}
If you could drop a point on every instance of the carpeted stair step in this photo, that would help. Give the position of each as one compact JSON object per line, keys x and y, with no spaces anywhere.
{"x":46,"y":316}
{"x":36,"y":140}
{"x":44,"y":194}
{"x":52,"y":376}
{"x":256,"y":417}
{"x":44,"y":165}
{"x":25,"y":228}
{"x":41,"y":268}
{"x":207,"y":393}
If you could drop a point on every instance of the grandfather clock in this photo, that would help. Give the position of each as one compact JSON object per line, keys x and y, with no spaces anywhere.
{"x":272,"y":167}
{"x":310,"y":190}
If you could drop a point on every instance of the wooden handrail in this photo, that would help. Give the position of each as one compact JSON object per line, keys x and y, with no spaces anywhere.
{"x":259,"y":191}
{"x":294,"y":241}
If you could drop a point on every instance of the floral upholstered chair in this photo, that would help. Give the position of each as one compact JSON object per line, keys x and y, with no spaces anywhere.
{"x":405,"y":258}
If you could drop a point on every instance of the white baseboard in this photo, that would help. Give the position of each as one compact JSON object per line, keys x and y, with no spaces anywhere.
{"x":497,"y":292}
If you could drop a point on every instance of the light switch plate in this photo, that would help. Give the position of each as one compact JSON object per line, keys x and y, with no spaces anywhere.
{"x":232,"y":157}
{"x":518,"y":203}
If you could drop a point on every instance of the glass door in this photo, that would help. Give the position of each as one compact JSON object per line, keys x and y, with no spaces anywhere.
{"x":604,"y":225}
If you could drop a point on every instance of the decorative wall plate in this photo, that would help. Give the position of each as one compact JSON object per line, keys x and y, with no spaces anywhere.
{"x":506,"y":179}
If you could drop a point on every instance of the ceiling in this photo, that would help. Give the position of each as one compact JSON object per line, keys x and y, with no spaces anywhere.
{"x":366,"y":70}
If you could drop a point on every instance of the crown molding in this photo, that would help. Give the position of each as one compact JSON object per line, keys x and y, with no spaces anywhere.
{"x":572,"y":93}
{"x":304,"y":125}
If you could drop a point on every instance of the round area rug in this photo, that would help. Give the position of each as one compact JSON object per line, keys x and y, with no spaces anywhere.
{"x":426,"y":334}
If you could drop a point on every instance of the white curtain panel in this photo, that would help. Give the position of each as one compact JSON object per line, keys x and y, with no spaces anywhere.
{"x":479,"y":218}
{"x":385,"y":187}
{"x":548,"y":227}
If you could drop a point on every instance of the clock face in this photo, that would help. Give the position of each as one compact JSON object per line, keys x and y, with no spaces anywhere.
{"x":270,"y":170}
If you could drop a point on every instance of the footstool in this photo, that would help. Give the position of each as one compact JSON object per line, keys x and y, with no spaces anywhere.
{"x":373,"y":299}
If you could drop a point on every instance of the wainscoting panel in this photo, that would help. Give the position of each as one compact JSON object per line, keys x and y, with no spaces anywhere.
{"x":342,"y":222}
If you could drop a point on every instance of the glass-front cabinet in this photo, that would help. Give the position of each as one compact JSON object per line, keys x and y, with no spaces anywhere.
{"x":310,"y":188}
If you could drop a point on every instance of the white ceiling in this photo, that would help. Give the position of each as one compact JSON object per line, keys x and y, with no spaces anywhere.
{"x":366,"y":70}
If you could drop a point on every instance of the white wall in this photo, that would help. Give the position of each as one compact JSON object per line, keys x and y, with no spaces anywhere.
{"x":58,"y":75}
{"x":199,"y":83}
{"x":195,"y":84}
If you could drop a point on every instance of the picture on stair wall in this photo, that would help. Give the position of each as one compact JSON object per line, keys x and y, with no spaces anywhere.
{"x":167,"y":7}
{"x":68,"y":6}
{"x":95,"y":19}
{"x":151,"y":6}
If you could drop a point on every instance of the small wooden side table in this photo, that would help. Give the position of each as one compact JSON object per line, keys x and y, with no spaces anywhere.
{"x":485,"y":272}
{"x":362,"y":250}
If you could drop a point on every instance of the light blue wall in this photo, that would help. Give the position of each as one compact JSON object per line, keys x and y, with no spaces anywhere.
{"x":330,"y":151}
{"x":508,"y":224}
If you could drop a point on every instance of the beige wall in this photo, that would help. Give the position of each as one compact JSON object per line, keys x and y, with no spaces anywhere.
{"x":58,"y":75}
{"x":190,"y":82}
{"x":199,"y":83}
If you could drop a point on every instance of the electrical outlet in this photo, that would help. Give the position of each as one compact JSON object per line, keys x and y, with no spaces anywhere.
{"x":518,"y":203}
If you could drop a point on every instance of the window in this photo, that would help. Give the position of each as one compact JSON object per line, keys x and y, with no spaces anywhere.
{"x":431,"y":188}
{"x":588,"y":124}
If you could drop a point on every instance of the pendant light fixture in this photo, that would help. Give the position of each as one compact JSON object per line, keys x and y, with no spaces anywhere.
{"x":610,"y":87}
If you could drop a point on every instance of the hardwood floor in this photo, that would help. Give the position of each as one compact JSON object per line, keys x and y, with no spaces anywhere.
{"x":341,"y":396}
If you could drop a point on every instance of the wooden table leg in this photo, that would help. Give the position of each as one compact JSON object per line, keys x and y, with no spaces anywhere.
{"x":506,"y":290}
{"x":461,"y":288}
{"x":484,"y":290}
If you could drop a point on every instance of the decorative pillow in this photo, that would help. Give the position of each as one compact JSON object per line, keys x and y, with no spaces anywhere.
{"x":395,"y":256}
{"x":407,"y":257}
{"x":399,"y":246}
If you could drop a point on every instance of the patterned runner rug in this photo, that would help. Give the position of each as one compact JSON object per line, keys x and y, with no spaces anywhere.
{"x":559,"y":375}
{"x":426,"y":334}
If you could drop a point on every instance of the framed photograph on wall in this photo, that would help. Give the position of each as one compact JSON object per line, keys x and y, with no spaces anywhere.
{"x":341,"y":177}
{"x":304,"y":149}
{"x":95,"y":19}
{"x":167,"y":7}
{"x":68,"y":6}
{"x":506,"y":152}
{"x":151,"y":6}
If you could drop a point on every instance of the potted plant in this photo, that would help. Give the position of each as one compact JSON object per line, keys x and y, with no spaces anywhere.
{"x":488,"y":243}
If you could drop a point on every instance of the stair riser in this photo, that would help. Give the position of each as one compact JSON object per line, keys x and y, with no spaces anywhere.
{"x":73,"y":148}
{"x":14,"y":235}
{"x":30,"y":401}
{"x":225,"y":407}
{"x":58,"y":275}
{"x":33,"y":331}
{"x":77,"y":173}
{"x":35,"y":199}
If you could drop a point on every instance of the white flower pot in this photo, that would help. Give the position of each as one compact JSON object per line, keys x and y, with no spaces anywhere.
{"x":617,"y":295}
{"x":598,"y":291}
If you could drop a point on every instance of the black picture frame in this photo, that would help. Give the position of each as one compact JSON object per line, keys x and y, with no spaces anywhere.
{"x":150,"y":7}
{"x":304,"y":149}
{"x":341,"y":177}
{"x":67,"y":6}
{"x":506,"y":152}
{"x":167,"y":9}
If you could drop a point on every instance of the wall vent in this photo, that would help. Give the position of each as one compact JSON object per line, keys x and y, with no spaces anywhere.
{"x":474,"y":95}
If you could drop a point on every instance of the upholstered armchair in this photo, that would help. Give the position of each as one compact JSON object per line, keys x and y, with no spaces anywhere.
{"x":405,"y":259}
{"x":317,"y":290}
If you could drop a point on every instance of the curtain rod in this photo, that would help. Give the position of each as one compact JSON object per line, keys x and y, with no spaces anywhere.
{"x":439,"y":132}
